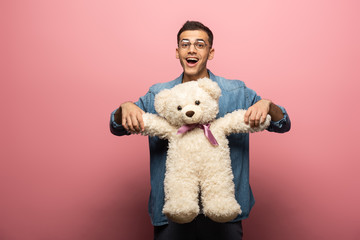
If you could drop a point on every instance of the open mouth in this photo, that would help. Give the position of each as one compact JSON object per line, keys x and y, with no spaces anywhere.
{"x":192,"y":60}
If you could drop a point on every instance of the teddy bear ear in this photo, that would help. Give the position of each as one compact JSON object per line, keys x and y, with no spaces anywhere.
{"x":160,"y":100}
{"x":210,"y":87}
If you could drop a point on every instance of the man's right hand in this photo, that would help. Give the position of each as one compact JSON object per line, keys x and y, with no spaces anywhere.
{"x":131,"y":117}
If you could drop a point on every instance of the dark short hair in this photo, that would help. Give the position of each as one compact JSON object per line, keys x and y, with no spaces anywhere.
{"x":194,"y":25}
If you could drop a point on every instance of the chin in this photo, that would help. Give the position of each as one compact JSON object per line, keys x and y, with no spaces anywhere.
{"x":192,"y":73}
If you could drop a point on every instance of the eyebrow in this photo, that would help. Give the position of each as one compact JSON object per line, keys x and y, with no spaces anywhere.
{"x":197,"y":40}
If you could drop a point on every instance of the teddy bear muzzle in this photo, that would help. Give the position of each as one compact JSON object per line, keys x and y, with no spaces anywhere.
{"x":191,"y":114}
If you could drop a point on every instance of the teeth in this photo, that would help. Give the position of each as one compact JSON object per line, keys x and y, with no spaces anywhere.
{"x":192,"y":59}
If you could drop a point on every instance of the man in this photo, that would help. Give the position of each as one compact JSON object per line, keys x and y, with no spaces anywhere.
{"x":194,"y":50}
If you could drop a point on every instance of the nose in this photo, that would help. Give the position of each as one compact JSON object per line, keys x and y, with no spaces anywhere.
{"x":190,"y":113}
{"x":192,"y":48}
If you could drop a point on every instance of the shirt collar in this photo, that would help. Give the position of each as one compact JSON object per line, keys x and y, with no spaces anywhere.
{"x":179,"y":79}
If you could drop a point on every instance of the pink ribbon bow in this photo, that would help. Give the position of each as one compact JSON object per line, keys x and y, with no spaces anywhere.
{"x":205,"y":127}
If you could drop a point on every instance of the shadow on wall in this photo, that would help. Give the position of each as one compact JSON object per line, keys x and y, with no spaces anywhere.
{"x":125,"y":215}
{"x":272,"y":217}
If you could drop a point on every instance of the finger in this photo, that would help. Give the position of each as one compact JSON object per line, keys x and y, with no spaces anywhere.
{"x":257,"y":119}
{"x":263,"y":118}
{"x":129,"y":123}
{"x":123,"y":122}
{"x":135,"y":123}
{"x":246,"y":116}
{"x":252,"y":119}
{"x":141,"y":122}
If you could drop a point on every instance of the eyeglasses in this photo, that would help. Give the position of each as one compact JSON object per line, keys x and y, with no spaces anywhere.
{"x":199,"y":45}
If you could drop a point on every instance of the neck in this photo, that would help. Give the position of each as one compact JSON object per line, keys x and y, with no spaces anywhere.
{"x":187,"y":78}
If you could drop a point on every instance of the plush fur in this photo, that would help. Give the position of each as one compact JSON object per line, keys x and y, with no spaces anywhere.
{"x":194,"y":166}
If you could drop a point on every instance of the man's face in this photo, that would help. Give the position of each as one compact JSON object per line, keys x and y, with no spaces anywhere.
{"x":193,"y":58}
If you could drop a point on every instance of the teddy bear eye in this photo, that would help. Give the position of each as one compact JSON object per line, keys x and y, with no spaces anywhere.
{"x":179,"y":108}
{"x":197,"y":102}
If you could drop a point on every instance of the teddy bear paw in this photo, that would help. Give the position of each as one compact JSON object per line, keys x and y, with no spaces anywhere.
{"x":222,"y":210}
{"x":181,"y":213}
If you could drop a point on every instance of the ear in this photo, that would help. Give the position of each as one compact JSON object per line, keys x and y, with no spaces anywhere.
{"x":211,"y":54}
{"x":210,"y":87}
{"x":177,"y":53}
{"x":160,"y":100}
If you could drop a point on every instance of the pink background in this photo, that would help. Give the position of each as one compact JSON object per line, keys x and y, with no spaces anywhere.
{"x":65,"y":65}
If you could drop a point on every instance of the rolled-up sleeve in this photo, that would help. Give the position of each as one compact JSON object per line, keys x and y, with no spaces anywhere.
{"x":117,"y":129}
{"x":281,"y":126}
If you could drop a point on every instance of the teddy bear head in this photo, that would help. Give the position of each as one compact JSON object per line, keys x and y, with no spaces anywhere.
{"x":189,"y":103}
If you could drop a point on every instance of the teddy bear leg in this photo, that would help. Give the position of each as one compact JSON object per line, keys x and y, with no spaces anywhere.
{"x":218,"y":197}
{"x":181,"y":195}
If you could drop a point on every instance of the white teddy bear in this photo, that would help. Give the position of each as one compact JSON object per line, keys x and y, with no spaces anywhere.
{"x":198,"y":158}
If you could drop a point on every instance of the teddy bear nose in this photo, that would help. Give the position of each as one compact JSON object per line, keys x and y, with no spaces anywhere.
{"x":190,"y":113}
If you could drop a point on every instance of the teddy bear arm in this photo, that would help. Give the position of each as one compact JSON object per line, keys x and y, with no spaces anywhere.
{"x":155,"y":125}
{"x":234,"y":123}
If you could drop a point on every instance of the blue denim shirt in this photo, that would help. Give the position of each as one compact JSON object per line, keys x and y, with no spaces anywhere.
{"x":235,"y":95}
